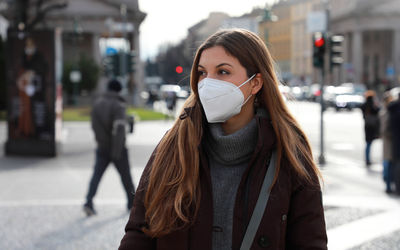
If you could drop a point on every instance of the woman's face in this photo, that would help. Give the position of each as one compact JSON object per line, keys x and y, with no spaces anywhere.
{"x":217,"y":64}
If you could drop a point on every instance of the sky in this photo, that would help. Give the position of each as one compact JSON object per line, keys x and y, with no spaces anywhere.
{"x":167,"y":21}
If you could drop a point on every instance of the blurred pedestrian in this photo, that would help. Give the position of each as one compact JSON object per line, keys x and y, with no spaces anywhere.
{"x":235,"y":144}
{"x":370,"y":112}
{"x":394,"y":116}
{"x":152,"y":98}
{"x":109,"y":125}
{"x":386,"y":136}
{"x":171,"y":102}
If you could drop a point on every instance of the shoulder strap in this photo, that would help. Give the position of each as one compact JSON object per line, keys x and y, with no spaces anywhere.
{"x":260,"y":205}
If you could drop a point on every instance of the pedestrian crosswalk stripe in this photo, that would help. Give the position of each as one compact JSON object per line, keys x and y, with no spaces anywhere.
{"x":361,"y":231}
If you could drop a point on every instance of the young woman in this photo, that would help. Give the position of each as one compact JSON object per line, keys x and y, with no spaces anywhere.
{"x":202,"y":184}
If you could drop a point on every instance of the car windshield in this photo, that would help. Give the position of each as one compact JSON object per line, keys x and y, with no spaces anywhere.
{"x":350,"y":89}
{"x":344,"y":91}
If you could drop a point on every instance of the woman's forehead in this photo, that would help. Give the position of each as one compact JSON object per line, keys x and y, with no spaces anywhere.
{"x":215,"y":56}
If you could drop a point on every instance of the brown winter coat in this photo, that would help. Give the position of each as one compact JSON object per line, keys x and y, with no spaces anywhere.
{"x":293,"y":219}
{"x":386,"y":134}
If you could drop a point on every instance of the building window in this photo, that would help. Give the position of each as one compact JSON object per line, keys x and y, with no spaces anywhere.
{"x":366,"y":37}
{"x":376,"y":67}
{"x":266,"y":36}
{"x":376,"y":36}
{"x":366,"y":63}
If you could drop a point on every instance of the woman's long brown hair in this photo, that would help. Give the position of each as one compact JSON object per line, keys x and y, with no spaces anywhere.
{"x":173,"y":192}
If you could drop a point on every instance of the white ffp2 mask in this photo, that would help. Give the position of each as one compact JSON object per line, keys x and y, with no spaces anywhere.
{"x":220,"y":99}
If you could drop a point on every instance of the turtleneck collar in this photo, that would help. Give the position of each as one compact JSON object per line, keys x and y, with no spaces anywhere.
{"x":234,"y":148}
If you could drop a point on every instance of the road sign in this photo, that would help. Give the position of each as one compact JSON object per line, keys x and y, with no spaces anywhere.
{"x":111,"y":51}
{"x":389,"y":71}
{"x":316,"y":22}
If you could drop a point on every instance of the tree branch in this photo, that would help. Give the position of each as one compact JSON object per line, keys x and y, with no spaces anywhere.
{"x":41,"y":14}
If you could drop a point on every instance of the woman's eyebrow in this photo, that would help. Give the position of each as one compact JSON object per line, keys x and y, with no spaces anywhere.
{"x":219,"y":65}
{"x":224,"y":64}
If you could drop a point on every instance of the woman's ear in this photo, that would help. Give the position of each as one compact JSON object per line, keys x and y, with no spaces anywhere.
{"x":256,"y":84}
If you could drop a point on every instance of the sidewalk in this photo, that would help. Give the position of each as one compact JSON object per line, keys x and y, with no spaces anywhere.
{"x":359,"y":218}
{"x":41,"y":198}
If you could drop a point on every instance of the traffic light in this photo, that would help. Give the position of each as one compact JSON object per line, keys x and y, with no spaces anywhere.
{"x":319,"y":44}
{"x":106,"y":64}
{"x":116,"y":66}
{"x":179,"y":69}
{"x":335,"y":50}
{"x":131,"y":61}
{"x":112,"y":65}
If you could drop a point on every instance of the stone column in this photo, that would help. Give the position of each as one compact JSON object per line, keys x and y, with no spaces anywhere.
{"x":103,"y":80}
{"x":138,"y":76}
{"x":396,"y":56}
{"x":344,"y":69}
{"x":96,"y":48}
{"x":357,"y":55}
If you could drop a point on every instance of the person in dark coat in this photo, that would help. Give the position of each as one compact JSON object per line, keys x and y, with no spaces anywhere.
{"x":109,"y":124}
{"x":394,"y":117}
{"x":371,"y":123}
{"x":201,"y":187}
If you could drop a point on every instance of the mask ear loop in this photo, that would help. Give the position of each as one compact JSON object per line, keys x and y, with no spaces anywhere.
{"x":248,"y":98}
{"x":246,"y":81}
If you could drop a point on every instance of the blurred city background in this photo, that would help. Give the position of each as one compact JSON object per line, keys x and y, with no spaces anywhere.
{"x":328,"y":53}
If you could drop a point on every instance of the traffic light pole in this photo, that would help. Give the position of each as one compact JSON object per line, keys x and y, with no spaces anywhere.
{"x":321,"y":158}
{"x":319,"y":58}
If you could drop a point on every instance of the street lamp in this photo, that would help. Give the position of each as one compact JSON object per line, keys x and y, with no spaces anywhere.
{"x":123,"y":11}
{"x":75,"y":77}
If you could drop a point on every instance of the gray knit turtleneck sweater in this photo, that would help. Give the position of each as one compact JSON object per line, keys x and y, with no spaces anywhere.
{"x":229,"y":156}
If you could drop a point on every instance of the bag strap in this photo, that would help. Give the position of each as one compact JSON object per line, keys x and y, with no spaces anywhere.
{"x":260,"y":205}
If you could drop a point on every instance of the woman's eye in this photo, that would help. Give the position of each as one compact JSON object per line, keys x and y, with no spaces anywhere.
{"x":201,"y":73}
{"x":223,"y":72}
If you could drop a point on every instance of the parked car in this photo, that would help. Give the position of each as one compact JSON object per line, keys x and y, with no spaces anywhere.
{"x":285,"y":91}
{"x":178,"y":91}
{"x":329,"y":95}
{"x":301,"y":93}
{"x":312,"y":92}
{"x":394,"y":92}
{"x":348,"y":96}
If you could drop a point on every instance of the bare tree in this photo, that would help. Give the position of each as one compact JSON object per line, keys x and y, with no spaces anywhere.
{"x":32,"y":12}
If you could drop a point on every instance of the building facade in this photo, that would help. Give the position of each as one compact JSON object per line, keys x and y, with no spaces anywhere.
{"x":199,"y":32}
{"x":371,"y":47}
{"x":372,"y":41}
{"x":84,"y":22}
{"x":276,"y":31}
{"x":302,"y":47}
{"x":289,"y":40}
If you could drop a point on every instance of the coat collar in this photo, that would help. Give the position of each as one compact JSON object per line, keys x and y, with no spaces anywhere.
{"x":114,"y":95}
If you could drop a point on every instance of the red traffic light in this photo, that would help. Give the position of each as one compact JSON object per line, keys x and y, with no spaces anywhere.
{"x":179,"y":69}
{"x":319,"y":42}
